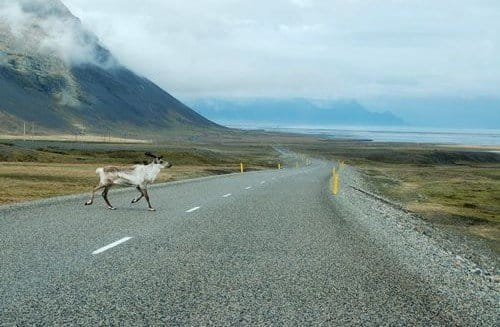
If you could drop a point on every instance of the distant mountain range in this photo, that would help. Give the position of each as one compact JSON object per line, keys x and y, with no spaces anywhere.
{"x":448,"y":112}
{"x":57,"y":74}
{"x":298,"y":112}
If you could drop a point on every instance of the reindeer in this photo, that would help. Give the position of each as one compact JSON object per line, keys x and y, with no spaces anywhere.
{"x":139,"y":176}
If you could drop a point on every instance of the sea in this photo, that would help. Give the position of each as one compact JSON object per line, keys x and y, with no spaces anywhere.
{"x":472,"y":137}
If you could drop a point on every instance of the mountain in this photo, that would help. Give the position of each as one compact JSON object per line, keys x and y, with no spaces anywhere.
{"x":297,"y":112}
{"x":56,"y":73}
{"x":445,"y":112}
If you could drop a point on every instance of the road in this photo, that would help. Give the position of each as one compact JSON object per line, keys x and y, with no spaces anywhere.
{"x":268,"y":248}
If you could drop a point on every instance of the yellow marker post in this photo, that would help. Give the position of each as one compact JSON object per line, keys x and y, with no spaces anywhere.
{"x":335,"y":180}
{"x":279,"y":166}
{"x":335,"y":183}
{"x":241,"y":167}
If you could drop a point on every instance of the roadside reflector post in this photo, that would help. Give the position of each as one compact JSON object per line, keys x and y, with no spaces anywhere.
{"x":335,"y":179}
{"x":335,"y":183}
{"x":241,"y":167}
{"x":279,"y":165}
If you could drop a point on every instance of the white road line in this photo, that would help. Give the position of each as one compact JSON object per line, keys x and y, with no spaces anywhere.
{"x":248,"y":187}
{"x":193,"y":209}
{"x":226,"y":195}
{"x":263,"y":182}
{"x":112,"y":245}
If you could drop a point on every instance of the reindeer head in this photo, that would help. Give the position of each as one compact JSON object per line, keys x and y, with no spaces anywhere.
{"x":158,"y":160}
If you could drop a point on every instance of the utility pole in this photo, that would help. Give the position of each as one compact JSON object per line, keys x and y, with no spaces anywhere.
{"x":33,"y":131}
{"x":82,"y":138}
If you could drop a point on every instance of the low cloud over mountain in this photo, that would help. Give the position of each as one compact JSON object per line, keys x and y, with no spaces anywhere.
{"x":55,"y":72}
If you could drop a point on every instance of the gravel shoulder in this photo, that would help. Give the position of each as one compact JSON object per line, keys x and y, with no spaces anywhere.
{"x":457,"y":266}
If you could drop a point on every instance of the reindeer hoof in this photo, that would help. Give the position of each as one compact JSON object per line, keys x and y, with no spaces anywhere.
{"x":111,"y":208}
{"x":152,"y":209}
{"x":88,"y":203}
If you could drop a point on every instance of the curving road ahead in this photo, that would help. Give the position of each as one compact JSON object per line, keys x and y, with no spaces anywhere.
{"x":270,"y":248}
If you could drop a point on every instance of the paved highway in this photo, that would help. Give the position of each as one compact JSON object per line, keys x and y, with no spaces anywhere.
{"x":268,"y":248}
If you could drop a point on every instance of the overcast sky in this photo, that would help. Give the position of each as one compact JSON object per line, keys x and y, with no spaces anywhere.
{"x":304,"y":48}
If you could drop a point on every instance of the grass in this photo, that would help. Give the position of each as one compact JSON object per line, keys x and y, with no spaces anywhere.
{"x":463,"y":198}
{"x":29,"y":181}
{"x":456,"y":190}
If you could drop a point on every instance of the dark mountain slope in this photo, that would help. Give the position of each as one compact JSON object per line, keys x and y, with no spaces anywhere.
{"x":56,"y":73}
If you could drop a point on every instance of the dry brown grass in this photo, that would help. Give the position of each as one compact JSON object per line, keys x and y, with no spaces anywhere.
{"x":72,"y":138}
{"x":464,"y":198}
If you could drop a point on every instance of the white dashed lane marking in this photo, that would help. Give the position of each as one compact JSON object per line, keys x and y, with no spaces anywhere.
{"x":248,"y":187}
{"x":112,"y":245}
{"x":193,"y":209}
{"x":263,"y":182}
{"x":226,"y":195}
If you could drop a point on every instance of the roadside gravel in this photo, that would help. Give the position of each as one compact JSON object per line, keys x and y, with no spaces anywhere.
{"x":449,"y":263}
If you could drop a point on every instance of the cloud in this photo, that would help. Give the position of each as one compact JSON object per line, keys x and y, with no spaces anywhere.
{"x":302,"y":3}
{"x":47,"y":27}
{"x":304,"y":48}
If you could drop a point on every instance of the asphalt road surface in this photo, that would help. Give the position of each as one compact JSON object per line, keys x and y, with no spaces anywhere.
{"x":259,"y":248}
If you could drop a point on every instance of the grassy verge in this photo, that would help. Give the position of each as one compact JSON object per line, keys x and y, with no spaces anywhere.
{"x":459,"y":196}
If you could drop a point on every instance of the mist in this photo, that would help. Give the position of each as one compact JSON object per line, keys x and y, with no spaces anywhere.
{"x":312,"y":49}
{"x":48,"y":28}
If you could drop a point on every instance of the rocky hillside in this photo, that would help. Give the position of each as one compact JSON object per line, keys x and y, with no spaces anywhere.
{"x":57,"y":74}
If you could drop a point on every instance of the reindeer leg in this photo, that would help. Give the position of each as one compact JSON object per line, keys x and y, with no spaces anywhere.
{"x":105,"y":196}
{"x":97,"y":188}
{"x":146,"y":195}
{"x":135,"y":200}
